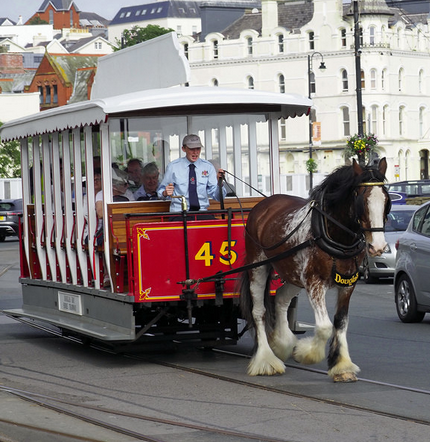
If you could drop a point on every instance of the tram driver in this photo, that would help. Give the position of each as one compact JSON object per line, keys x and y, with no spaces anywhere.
{"x":192,"y":177}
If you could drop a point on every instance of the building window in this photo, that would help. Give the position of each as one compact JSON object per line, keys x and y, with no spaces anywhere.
{"x":363,"y":116}
{"x":361,"y":37}
{"x":40,"y":94}
{"x":215,"y":82}
{"x":122,"y":15}
{"x":312,"y":83}
{"x":401,"y":75}
{"x":128,"y":14}
{"x":71,"y":18}
{"x":374,"y":119}
{"x":281,"y":84}
{"x":249,"y":45}
{"x":48,"y":94}
{"x":144,"y":11}
{"x":401,"y":120}
{"x":194,"y":30}
{"x":420,"y":81}
{"x":345,"y":122}
{"x":185,"y":45}
{"x":383,"y":79}
{"x":282,"y":129}
{"x":250,"y":83}
{"x":372,"y":36}
{"x":138,"y":12}
{"x":51,"y":17}
{"x":363,"y":80}
{"x":215,"y":48}
{"x":344,"y":80}
{"x":384,"y":119}
{"x":179,"y":30}
{"x":421,"y":122}
{"x":280,"y":43}
{"x":55,"y":92}
{"x":373,"y":79}
{"x":311,"y":40}
{"x":343,"y":38}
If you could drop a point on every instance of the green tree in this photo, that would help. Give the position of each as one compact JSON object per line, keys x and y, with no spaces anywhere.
{"x":37,"y":21}
{"x":10,"y":159}
{"x":136,"y":34}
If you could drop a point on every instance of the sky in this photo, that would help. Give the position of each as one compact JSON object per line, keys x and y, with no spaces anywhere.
{"x":12,"y":9}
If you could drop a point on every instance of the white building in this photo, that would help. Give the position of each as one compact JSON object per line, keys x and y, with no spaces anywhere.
{"x":181,"y":16}
{"x":270,"y":49}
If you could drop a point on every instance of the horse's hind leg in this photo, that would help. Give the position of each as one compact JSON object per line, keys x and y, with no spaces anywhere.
{"x":341,"y":368}
{"x":282,"y":339}
{"x":264,"y":361}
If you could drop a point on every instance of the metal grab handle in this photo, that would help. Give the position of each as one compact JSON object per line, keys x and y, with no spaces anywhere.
{"x":183,"y":202}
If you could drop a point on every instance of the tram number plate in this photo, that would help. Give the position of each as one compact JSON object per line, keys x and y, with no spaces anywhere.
{"x":70,"y":303}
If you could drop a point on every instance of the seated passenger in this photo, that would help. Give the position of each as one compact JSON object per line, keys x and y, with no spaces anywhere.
{"x":135,"y":174}
{"x":150,"y":179}
{"x":120,"y":189}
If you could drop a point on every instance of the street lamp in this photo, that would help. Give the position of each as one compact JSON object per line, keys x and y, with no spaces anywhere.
{"x":310,"y":74}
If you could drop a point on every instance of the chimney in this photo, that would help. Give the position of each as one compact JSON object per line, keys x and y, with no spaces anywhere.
{"x":269,"y":16}
{"x":11,"y":63}
{"x":19,"y":20}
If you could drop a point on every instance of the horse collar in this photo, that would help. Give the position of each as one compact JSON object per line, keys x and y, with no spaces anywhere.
{"x":344,"y":280}
{"x":327,"y":244}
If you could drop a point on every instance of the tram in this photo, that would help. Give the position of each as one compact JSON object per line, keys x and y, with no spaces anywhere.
{"x":167,"y":278}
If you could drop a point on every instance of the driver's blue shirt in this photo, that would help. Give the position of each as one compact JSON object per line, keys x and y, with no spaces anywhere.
{"x":178,"y":173}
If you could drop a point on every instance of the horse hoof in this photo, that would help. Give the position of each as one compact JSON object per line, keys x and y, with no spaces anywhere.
{"x":345,"y":377}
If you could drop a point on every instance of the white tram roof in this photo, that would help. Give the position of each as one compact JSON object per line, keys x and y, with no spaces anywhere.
{"x":169,"y":101}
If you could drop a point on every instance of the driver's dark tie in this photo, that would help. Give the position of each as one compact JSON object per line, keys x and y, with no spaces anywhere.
{"x":192,"y":189}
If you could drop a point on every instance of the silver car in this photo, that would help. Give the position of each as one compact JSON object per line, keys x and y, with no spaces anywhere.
{"x":383,"y":266}
{"x":411,"y":278}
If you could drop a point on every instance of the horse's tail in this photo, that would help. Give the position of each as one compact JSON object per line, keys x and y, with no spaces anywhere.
{"x":246,"y":303}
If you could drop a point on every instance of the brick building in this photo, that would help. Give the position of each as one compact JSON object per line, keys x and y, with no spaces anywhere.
{"x":59,"y":13}
{"x":59,"y":76}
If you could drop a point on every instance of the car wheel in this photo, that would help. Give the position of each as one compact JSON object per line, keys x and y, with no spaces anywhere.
{"x":367,"y":277}
{"x":406,"y":302}
{"x":2,"y":238}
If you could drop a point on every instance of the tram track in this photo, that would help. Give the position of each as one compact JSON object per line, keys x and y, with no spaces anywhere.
{"x":253,"y":383}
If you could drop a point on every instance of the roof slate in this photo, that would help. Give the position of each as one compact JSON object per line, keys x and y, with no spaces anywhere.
{"x":156,"y":10}
{"x":67,"y":65}
{"x":59,"y":5}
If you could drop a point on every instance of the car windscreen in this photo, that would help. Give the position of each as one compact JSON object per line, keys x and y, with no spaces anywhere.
{"x":398,"y":220}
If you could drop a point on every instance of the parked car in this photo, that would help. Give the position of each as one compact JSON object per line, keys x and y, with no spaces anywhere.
{"x":411,"y":189}
{"x":383,"y":266}
{"x":10,"y":211}
{"x":411,"y":278}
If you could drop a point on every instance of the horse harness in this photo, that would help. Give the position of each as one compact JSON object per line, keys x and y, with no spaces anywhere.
{"x":320,"y":237}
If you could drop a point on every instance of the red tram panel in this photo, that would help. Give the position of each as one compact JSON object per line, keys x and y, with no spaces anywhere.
{"x":160,"y":262}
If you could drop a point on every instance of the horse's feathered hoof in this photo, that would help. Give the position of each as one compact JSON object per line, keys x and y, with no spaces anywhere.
{"x":345,"y":377}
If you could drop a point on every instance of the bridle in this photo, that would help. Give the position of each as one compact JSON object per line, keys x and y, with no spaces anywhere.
{"x":360,"y":198}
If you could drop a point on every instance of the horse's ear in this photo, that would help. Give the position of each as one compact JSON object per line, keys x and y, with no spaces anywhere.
{"x":383,"y":166}
{"x":356,"y":168}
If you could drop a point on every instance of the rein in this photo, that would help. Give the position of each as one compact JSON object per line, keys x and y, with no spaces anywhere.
{"x":321,"y":239}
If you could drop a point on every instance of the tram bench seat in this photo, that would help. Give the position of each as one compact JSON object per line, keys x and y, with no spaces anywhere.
{"x":117,"y":213}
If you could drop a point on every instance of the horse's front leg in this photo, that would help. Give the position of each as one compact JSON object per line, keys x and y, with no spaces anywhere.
{"x":312,"y":349}
{"x":341,"y":368}
{"x":264,"y":361}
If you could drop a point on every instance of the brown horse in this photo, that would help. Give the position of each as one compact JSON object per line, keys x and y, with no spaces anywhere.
{"x":314,"y":244}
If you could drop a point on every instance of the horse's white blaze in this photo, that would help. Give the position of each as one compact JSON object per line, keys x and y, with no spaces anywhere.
{"x":376,"y":201}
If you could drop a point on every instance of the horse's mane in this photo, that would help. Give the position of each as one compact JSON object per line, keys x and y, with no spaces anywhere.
{"x":338,"y":187}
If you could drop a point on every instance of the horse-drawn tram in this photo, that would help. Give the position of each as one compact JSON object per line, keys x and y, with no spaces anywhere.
{"x":132,"y":275}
